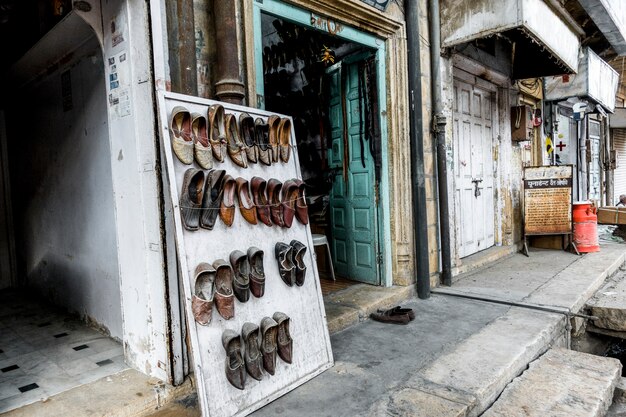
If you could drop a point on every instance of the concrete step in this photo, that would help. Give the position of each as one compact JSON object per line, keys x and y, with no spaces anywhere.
{"x":609,"y":304}
{"x":561,"y":383}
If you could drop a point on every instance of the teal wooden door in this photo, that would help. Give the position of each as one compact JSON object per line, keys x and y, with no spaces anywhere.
{"x":353,"y":209}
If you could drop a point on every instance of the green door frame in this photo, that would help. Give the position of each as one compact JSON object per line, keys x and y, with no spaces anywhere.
{"x":305,"y":18}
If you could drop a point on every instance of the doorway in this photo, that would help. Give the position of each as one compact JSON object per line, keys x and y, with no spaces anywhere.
{"x":474,"y":122}
{"x":330,"y":85}
{"x":62,"y":320}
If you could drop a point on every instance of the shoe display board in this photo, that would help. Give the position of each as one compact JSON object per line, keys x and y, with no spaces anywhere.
{"x":248,"y":313}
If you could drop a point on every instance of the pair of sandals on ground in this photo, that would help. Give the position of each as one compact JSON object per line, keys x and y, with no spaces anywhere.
{"x":395,"y":315}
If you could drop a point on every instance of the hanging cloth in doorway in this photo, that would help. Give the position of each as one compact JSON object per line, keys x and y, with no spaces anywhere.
{"x":369,"y":130}
{"x":344,"y":115}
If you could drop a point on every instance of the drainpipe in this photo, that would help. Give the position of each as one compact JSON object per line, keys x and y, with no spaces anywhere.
{"x":420,"y":230}
{"x":229,"y":87}
{"x":440,"y":133}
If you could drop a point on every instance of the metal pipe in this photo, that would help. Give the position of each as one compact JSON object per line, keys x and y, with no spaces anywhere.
{"x":229,"y":87}
{"x":440,"y":132}
{"x":539,"y":307}
{"x":420,"y":229}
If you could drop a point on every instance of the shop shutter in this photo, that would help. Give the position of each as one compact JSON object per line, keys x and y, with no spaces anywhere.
{"x":619,"y":144}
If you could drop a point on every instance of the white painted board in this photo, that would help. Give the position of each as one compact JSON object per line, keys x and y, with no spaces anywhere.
{"x":312,"y":353}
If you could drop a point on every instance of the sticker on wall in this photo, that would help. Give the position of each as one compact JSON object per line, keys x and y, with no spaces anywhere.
{"x":119,"y":85}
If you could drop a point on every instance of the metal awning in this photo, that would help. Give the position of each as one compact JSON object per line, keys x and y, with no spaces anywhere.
{"x":596,"y":80}
{"x":542,"y":43}
{"x":610,"y":17}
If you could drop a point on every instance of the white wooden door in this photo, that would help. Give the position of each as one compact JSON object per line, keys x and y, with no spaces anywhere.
{"x":474,"y":110}
{"x":594,"y":164}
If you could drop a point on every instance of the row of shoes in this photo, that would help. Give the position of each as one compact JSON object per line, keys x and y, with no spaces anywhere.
{"x":256,"y":348}
{"x":246,"y":140}
{"x":204,"y":196}
{"x":219,"y":282}
{"x":290,"y":259}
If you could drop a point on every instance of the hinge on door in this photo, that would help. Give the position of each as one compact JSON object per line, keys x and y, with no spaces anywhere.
{"x":379,"y":258}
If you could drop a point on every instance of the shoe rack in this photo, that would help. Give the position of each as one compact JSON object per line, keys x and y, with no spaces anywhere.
{"x":311,"y":352}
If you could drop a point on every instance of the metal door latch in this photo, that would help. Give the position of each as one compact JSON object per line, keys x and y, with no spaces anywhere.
{"x":477,"y":189}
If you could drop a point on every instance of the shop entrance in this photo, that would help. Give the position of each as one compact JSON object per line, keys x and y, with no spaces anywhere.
{"x":329,"y":86}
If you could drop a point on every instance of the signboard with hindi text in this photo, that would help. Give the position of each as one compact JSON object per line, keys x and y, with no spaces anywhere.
{"x":548,"y":200}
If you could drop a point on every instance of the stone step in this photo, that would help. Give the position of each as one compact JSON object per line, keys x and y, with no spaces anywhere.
{"x":609,"y":304}
{"x":561,"y":383}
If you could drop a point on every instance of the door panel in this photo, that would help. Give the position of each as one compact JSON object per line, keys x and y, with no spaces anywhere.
{"x":594,"y":165}
{"x":353,"y":205}
{"x":473,"y":161}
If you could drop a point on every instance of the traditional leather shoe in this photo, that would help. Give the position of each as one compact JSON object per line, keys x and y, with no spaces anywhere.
{"x":248,"y":135}
{"x":234,"y":145}
{"x":202,"y":299}
{"x":253,"y":357}
{"x":286,"y":268}
{"x":399,"y":311}
{"x":299,"y":250}
{"x":241,"y":271}
{"x":180,"y":128}
{"x":388,"y":318}
{"x":273,"y":123}
{"x":191,"y":198}
{"x":258,"y":186}
{"x":257,"y":271}
{"x":217,"y":134}
{"x":227,"y":205}
{"x":212,"y":198}
{"x":284,"y":138}
{"x":235,"y":366}
{"x":224,"y":300}
{"x":262,"y":132}
{"x":284,"y":340}
{"x":288,"y":203}
{"x":269,"y":333}
{"x":246,"y":204}
{"x":302,"y":210}
{"x":276,"y":209}
{"x":202,"y":149}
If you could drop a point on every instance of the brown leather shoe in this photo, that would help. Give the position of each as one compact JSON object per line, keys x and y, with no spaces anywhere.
{"x":235,"y":366}
{"x":273,"y":123}
{"x":202,"y":149}
{"x":224,"y":299}
{"x":284,"y":139}
{"x":269,"y":333}
{"x":388,"y":318}
{"x":258,"y":186}
{"x":241,"y":275}
{"x":284,"y":340}
{"x":262,"y":130}
{"x":284,"y":258}
{"x":227,"y":205}
{"x":217,"y":131}
{"x":302,"y":210}
{"x":212,"y":199}
{"x":257,"y":271}
{"x":234,"y":145}
{"x":288,"y":203}
{"x":399,"y":311}
{"x":180,"y":130}
{"x":202,"y":299}
{"x":248,"y":136}
{"x":246,"y":204}
{"x":253,"y":358}
{"x":191,"y":198}
{"x":276,"y":209}
{"x":299,"y":250}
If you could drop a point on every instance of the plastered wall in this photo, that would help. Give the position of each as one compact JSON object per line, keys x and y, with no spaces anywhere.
{"x":62,"y":190}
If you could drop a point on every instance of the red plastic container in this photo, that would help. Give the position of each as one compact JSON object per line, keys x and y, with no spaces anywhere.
{"x":585,"y":227}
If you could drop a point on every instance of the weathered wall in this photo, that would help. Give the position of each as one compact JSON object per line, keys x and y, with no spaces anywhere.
{"x":63,"y":191}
